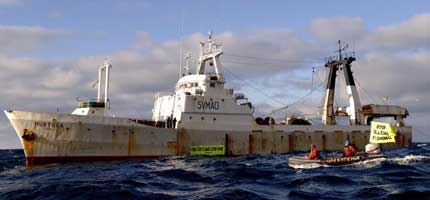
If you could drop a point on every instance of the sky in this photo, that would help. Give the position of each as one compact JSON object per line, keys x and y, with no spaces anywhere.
{"x":50,"y":52}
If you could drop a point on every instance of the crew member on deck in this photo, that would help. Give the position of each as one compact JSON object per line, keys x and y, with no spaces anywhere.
{"x":349,"y":149}
{"x":314,"y":154}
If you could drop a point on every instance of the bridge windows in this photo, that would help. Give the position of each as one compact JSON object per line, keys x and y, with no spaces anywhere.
{"x":187,"y":85}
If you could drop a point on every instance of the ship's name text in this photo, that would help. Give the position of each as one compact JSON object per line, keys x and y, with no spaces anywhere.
{"x":208,"y":105}
{"x":49,"y":124}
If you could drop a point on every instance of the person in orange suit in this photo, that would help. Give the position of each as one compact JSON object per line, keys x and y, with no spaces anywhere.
{"x":314,"y":154}
{"x":349,"y":149}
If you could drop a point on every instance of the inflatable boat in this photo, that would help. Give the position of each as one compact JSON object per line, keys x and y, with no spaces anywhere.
{"x":301,"y":160}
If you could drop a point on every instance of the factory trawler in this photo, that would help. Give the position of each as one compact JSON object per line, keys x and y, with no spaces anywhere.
{"x":201,"y":117}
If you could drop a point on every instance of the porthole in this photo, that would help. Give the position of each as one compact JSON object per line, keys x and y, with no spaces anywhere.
{"x":214,"y":119}
{"x":203,"y":118}
{"x":191,"y":117}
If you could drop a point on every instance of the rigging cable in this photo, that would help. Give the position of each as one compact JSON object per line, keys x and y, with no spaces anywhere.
{"x":256,"y":89}
{"x":275,"y":59}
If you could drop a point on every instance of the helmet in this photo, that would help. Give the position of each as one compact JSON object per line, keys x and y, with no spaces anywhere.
{"x":347,"y":143}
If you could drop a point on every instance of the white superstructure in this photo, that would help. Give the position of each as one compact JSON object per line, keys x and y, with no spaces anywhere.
{"x":201,"y":101}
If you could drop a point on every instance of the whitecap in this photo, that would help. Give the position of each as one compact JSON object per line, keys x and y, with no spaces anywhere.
{"x":370,"y":163}
{"x":307,"y":166}
{"x":409,"y":159}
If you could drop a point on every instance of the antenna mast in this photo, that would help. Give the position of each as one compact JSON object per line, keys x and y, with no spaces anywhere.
{"x":341,"y":49}
{"x":181,"y":44}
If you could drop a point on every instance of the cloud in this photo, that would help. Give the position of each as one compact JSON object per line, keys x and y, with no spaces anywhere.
{"x":412,"y":33}
{"x":338,"y":28}
{"x":401,"y":77}
{"x":19,"y":38}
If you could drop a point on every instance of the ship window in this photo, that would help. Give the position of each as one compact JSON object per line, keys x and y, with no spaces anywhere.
{"x":214,"y":119}
{"x":203,"y":118}
{"x":191,"y":117}
{"x":196,"y":84}
{"x":211,"y":84}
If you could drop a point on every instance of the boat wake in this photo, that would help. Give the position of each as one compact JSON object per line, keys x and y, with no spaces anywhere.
{"x":307,"y":166}
{"x":409,"y":159}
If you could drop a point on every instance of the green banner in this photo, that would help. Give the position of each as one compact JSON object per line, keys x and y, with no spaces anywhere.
{"x":208,"y":150}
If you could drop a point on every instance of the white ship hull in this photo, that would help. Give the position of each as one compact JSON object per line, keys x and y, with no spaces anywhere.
{"x":54,"y":137}
{"x":65,"y":137}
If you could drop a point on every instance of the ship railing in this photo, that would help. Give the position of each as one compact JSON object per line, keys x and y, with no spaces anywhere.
{"x":153,"y":123}
{"x":161,"y":94}
{"x":344,"y":55}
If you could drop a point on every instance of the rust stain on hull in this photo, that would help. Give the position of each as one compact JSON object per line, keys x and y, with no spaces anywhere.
{"x":131,"y":142}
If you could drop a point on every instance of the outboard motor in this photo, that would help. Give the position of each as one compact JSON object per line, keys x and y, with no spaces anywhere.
{"x":373,"y":148}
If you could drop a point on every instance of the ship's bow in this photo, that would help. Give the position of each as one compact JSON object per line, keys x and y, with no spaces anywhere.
{"x":22,"y":129}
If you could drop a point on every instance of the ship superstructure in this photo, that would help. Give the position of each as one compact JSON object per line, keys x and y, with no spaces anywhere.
{"x":201,"y":117}
{"x":201,"y":101}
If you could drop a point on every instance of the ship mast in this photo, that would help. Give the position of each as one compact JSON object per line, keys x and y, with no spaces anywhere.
{"x":328,"y":117}
{"x":209,"y":51}
{"x":354,"y":109}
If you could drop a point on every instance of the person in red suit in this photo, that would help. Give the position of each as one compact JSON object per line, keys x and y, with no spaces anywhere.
{"x":314,"y":154}
{"x":349,"y":149}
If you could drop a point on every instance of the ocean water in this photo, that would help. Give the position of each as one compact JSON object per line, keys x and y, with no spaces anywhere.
{"x":405,"y":174}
